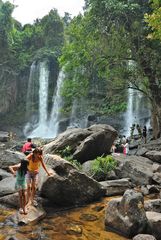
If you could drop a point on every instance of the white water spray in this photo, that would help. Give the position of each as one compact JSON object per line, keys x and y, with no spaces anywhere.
{"x":57,"y":104}
{"x":42,"y":127}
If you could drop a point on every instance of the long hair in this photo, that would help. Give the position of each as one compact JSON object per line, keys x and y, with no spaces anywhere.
{"x":23,"y":167}
{"x":37,"y":150}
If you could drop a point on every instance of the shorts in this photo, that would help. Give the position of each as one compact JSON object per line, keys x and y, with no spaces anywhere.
{"x":32,"y":177}
{"x":21,"y":185}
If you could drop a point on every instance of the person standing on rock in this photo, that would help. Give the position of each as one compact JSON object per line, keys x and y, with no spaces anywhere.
{"x":35,"y":160}
{"x":19,"y":171}
{"x":27,"y":147}
{"x":144,"y":134}
{"x":126,"y":147}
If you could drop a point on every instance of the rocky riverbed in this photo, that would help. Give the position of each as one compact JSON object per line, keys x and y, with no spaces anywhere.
{"x":137,"y":175}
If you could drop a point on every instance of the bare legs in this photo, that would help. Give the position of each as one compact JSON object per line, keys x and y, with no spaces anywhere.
{"x":31,"y":191}
{"x":22,"y":201}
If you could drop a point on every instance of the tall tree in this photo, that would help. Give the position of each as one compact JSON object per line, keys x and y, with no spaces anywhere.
{"x":154,"y":20}
{"x":126,"y":18}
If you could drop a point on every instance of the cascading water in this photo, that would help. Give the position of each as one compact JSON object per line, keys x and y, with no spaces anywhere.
{"x":78,"y":116}
{"x":129,"y":116}
{"x":31,"y":89}
{"x":32,"y":97}
{"x":55,"y":112}
{"x":137,"y":111}
{"x":42,"y":126}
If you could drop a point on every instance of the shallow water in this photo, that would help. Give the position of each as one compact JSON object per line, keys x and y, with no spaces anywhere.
{"x":85,"y":223}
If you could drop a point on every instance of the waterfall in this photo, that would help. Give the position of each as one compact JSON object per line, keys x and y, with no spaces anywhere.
{"x":129,"y":116}
{"x":45,"y":127}
{"x":42,"y":126}
{"x":31,"y":89}
{"x":43,"y":94}
{"x":78,"y":116}
{"x":32,"y":97}
{"x":137,"y":111}
{"x":57,"y":104}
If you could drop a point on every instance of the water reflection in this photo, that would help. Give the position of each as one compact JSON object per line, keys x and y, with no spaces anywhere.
{"x":86,"y":223}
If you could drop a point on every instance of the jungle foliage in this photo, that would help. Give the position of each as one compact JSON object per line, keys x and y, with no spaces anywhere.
{"x":109,"y":46}
{"x":103,"y":52}
{"x":20,"y":46}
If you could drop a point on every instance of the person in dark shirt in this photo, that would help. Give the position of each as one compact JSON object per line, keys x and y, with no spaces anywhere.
{"x":144,"y":134}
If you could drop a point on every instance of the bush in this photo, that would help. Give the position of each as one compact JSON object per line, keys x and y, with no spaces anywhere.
{"x":102,"y":166}
{"x":66,"y":154}
{"x":73,"y":162}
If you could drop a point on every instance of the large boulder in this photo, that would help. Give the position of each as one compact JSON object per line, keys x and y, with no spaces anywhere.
{"x":4,"y":174}
{"x":4,"y":136}
{"x":153,"y":145}
{"x":9,"y":157}
{"x":7,"y":186}
{"x":153,"y":205}
{"x":154,"y":223}
{"x":127,"y":215}
{"x":155,"y":156}
{"x":98,"y":143}
{"x":116,"y":187}
{"x":85,"y":144}
{"x":138,"y":169}
{"x":68,"y":186}
{"x":11,"y":200}
{"x":71,"y":137}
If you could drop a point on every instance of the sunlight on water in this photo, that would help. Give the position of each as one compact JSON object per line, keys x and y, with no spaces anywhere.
{"x":86,"y":223}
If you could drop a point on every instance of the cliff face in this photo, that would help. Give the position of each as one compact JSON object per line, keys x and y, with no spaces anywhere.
{"x":13,"y":92}
{"x":8,"y":90}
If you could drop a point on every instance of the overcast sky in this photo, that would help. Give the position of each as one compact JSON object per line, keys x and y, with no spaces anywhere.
{"x":28,"y":10}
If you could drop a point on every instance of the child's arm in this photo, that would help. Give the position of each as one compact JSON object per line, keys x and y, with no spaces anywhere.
{"x":44,"y":167}
{"x":14,"y":168}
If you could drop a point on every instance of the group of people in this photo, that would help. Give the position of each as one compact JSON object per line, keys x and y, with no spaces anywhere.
{"x":142,"y":132}
{"x":122,"y":144}
{"x":26,"y":173}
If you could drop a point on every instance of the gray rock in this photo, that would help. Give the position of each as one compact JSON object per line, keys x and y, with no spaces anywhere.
{"x":4,"y":174}
{"x":155,"y":156}
{"x":154,"y":223}
{"x":144,"y":237}
{"x":116,"y":187}
{"x":157,"y":178}
{"x":34,"y":215}
{"x":98,"y":143}
{"x":86,"y":144}
{"x":7,"y":186}
{"x":126,"y":216}
{"x":141,"y":151}
{"x":4,"y":136}
{"x":68,"y":186}
{"x":11,"y":200}
{"x":9,"y":157}
{"x":138,"y":169}
{"x":153,"y":205}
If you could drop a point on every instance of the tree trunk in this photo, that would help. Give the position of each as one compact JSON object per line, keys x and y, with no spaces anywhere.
{"x":155,"y":124}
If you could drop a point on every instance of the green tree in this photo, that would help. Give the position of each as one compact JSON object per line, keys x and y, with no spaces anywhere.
{"x":131,"y":55}
{"x":154,"y":20}
{"x":88,"y":73}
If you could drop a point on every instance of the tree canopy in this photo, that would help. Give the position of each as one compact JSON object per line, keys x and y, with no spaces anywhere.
{"x":109,"y":44}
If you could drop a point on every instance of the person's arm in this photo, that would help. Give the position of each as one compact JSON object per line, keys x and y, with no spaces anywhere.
{"x":44,"y":167}
{"x":14,"y":168}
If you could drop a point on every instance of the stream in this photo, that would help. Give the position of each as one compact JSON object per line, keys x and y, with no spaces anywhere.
{"x":84,"y":223}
